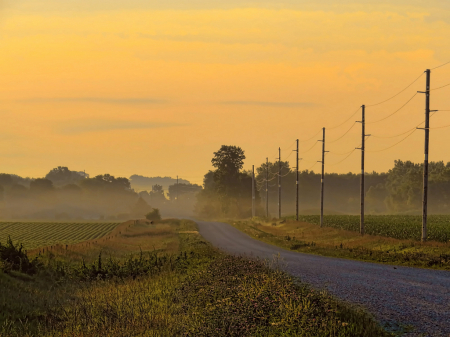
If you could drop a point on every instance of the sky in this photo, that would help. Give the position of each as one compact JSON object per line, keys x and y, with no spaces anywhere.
{"x":155,"y":87}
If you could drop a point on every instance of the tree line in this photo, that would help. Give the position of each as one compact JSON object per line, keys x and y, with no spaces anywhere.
{"x":227,"y":190}
{"x":66,"y":194}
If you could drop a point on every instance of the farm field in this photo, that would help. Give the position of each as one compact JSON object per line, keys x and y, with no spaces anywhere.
{"x":39,"y":234}
{"x":403,"y":227}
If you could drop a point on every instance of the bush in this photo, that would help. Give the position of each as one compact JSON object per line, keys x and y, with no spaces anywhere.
{"x":13,"y":257}
{"x":153,"y":215}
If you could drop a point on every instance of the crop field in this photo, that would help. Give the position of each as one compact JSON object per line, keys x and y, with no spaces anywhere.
{"x":38,"y":234}
{"x":401,"y":227}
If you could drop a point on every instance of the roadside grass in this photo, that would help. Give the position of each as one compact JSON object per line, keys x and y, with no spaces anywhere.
{"x":175,"y":284}
{"x":327,"y":241}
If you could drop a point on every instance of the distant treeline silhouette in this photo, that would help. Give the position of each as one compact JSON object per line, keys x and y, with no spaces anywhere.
{"x":66,"y":194}
{"x":397,"y":191}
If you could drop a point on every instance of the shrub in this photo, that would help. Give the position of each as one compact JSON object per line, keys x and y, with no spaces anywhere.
{"x":13,"y":257}
{"x":153,"y":215}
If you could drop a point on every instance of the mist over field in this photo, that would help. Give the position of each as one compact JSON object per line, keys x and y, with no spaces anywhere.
{"x":70,"y":195}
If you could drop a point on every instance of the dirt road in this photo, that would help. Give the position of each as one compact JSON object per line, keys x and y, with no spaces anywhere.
{"x":395,"y":295}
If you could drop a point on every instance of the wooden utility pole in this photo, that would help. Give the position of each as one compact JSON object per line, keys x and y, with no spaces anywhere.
{"x":296,"y":182}
{"x":425,"y":163}
{"x":253,"y":191}
{"x":363,"y":149}
{"x":267,"y":187}
{"x":279,"y":183}
{"x":323,"y":177}
{"x":177,"y":190}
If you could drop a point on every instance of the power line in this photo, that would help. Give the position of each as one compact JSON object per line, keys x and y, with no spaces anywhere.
{"x":306,"y":140}
{"x":440,"y":127}
{"x":344,"y":158}
{"x":341,"y":154}
{"x":309,"y":148}
{"x":312,"y":166}
{"x":395,"y":143}
{"x":440,"y":87}
{"x":334,"y":127}
{"x":397,"y":93}
{"x":441,"y":65}
{"x":382,"y":119}
{"x":401,"y":134}
{"x":343,"y":134}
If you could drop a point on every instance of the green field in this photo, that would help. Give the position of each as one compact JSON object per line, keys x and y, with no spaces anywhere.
{"x":401,"y":227}
{"x":38,"y":234}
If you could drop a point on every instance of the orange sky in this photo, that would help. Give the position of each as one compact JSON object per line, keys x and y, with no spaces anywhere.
{"x":155,"y":89}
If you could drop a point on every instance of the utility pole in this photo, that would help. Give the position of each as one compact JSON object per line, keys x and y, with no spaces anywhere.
{"x":363,"y":149}
{"x":253,"y":191}
{"x":267,"y":188}
{"x":279,"y":183}
{"x":296,"y":182}
{"x":425,"y":163}
{"x":177,"y":191}
{"x":323,"y":177}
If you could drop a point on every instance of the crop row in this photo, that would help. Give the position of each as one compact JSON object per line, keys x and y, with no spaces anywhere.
{"x":402,"y":227}
{"x":36,"y":234}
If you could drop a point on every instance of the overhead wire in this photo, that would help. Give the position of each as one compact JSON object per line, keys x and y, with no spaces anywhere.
{"x":444,"y":64}
{"x":334,"y":127}
{"x":384,"y":118}
{"x":341,"y":154}
{"x":306,"y":140}
{"x":309,"y":148}
{"x":440,"y":87}
{"x":333,"y":141}
{"x":344,"y":158}
{"x":311,"y":166}
{"x":440,"y":127}
{"x":401,"y":134}
{"x":395,"y":143}
{"x":371,"y":105}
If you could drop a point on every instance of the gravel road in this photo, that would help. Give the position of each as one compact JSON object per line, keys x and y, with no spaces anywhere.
{"x":394,"y":295}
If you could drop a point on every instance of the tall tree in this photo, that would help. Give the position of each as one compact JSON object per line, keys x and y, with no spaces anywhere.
{"x":228,"y":162}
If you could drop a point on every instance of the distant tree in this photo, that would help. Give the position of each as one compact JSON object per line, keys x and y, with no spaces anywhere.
{"x":153,"y":215}
{"x":6,"y":179}
{"x":157,"y":194}
{"x":71,"y":188}
{"x":106,"y":183}
{"x":208,"y":181}
{"x":61,"y":175}
{"x":228,"y":162}
{"x":187,"y":190}
{"x":18,"y":191}
{"x":41,"y":185}
{"x":145,"y":183}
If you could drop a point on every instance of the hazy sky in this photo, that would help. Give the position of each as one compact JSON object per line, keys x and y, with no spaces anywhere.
{"x":155,"y":87}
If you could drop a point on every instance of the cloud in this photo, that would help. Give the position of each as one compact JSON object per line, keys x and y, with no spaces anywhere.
{"x":101,"y":100}
{"x":84,"y":126}
{"x":272,"y":104}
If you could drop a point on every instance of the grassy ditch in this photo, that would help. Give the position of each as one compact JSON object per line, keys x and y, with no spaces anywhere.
{"x":327,"y":241}
{"x":180,"y":287}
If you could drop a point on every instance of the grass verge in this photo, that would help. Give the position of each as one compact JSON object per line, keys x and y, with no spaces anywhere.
{"x":311,"y":238}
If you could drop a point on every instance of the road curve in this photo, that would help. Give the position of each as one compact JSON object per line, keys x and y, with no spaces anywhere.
{"x":400,"y":295}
